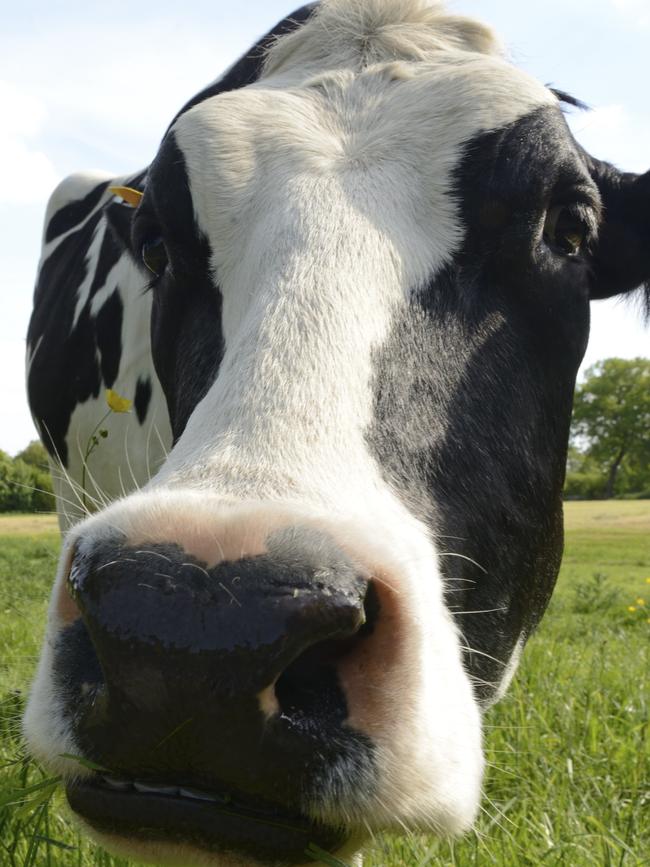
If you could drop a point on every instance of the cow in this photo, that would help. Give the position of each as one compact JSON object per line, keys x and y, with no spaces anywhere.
{"x":349,"y":299}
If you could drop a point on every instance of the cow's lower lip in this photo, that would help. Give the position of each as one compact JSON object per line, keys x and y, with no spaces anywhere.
{"x":214,"y":822}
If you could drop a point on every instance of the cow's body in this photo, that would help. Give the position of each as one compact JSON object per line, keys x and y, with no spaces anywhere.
{"x":89,"y":334}
{"x":372,"y":256}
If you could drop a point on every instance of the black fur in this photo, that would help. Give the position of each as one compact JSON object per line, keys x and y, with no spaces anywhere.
{"x":622,"y":256}
{"x":186,"y":337}
{"x":142,"y":398}
{"x":474,"y":390}
{"x":64,"y":371}
{"x":72,"y":214}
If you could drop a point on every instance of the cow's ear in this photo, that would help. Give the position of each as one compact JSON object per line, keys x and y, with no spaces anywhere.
{"x":622,"y":254}
{"x":120,"y":213}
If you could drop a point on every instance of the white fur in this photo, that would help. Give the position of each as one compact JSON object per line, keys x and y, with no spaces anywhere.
{"x":353,"y":35}
{"x":510,"y":669}
{"x":325,"y":193}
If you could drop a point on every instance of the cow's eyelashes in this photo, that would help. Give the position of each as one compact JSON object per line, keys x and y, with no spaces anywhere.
{"x":566,"y":230}
{"x":154,"y":255}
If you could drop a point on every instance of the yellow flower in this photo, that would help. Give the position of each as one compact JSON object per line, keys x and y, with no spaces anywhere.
{"x":116,"y":402}
{"x":640,"y":601}
{"x":647,"y":580}
{"x":631,"y":607}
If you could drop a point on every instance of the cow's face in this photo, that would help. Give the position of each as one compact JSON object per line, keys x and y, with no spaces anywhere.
{"x":370,"y":301}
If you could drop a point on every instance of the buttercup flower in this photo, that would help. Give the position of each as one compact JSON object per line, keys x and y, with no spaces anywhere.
{"x":116,"y":402}
{"x":631,"y":607}
{"x":640,"y":601}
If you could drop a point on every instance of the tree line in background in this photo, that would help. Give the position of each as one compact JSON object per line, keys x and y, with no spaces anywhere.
{"x":25,"y":481}
{"x":609,"y":454}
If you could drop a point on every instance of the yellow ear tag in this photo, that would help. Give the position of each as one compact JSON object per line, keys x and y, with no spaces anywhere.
{"x":131,"y":197}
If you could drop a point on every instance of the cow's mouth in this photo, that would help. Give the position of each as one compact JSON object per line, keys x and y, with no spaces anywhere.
{"x":216,"y":821}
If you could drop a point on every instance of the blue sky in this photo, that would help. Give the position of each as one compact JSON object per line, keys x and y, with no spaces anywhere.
{"x":93,"y":86}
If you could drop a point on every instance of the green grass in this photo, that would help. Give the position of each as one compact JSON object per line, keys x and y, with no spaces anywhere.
{"x":568,"y":781}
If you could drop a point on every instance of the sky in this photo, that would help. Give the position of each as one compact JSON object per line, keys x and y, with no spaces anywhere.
{"x":94,"y":86}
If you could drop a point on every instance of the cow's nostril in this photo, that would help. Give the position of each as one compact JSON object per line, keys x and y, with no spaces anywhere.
{"x":309,"y":689}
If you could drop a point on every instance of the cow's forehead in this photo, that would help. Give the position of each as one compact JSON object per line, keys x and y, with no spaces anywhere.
{"x":398,"y":128}
{"x":339,"y":119}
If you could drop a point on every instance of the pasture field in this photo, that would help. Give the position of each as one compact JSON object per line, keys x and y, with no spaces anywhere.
{"x":568,"y":780}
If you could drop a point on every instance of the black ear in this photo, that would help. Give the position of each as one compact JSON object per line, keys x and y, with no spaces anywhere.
{"x":119,"y":217}
{"x":622,"y":255}
{"x":121,"y":209}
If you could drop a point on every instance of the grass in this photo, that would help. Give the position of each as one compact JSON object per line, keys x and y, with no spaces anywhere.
{"x":568,"y":780}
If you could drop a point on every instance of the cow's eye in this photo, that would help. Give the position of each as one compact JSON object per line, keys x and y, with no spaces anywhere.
{"x":154,"y":256}
{"x":565,"y":230}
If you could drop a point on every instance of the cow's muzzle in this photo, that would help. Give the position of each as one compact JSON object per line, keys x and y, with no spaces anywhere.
{"x":208,"y":695}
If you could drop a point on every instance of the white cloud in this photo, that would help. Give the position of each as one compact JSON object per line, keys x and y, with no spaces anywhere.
{"x":617,"y":330}
{"x":15,"y":421}
{"x":120,"y":106}
{"x":28,"y":174}
{"x":22,"y":114}
{"x":636,"y":12}
{"x":613,"y":133}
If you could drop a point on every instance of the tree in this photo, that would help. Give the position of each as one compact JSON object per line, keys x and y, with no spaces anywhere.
{"x":584,"y":478}
{"x":611,"y":417}
{"x":25,"y":482}
{"x":35,"y":455}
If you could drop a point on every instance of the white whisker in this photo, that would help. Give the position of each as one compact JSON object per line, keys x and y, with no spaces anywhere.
{"x":155,"y":554}
{"x":136,"y":486}
{"x":463,"y":557}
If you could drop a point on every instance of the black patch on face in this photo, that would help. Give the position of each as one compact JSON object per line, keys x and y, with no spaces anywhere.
{"x":142,"y":398}
{"x":473,"y":390}
{"x":249,"y":67}
{"x":72,"y":214}
{"x":186,"y":335}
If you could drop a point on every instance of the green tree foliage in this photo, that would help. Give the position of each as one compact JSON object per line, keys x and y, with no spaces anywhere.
{"x":584,"y":479}
{"x":25,"y":482}
{"x":611,"y":429}
{"x":35,"y":455}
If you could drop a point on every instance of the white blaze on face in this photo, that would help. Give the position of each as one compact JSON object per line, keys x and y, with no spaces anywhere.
{"x":325,"y":204}
{"x":327,"y":200}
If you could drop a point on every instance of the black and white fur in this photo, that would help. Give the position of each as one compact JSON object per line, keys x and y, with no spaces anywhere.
{"x":363,"y":328}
